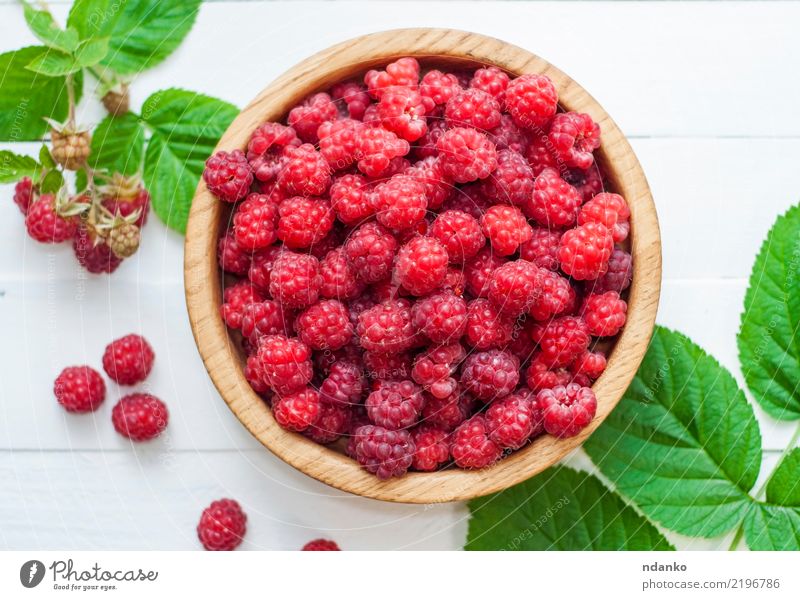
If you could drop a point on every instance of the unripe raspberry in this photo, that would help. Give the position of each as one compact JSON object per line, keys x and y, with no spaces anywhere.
{"x":70,"y":148}
{"x":117,"y":101}
{"x":123,"y":240}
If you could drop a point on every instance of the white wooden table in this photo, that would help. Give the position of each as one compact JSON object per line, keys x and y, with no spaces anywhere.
{"x":709,"y":95}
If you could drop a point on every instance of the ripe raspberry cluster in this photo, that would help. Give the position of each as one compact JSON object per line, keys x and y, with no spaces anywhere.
{"x":423,"y":266}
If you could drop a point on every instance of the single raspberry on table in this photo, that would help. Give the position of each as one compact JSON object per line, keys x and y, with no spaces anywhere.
{"x":46,"y":225}
{"x":350,"y":199}
{"x":231,"y":257}
{"x":235,"y":299}
{"x":371,"y":249}
{"x":437,"y":87}
{"x":313,"y":112}
{"x":402,"y":110}
{"x":24,"y":194}
{"x":79,"y":389}
{"x":472,"y":108}
{"x":264,"y":318}
{"x":491,"y":80}
{"x":333,"y":422}
{"x":339,"y":279}
{"x":556,"y":296}
{"x":471,"y":447}
{"x":515,"y":287}
{"x":265,"y":150}
{"x":540,"y":376}
{"x":376,"y":150}
{"x":434,"y":368}
{"x":285,"y":363}
{"x":222,"y":525}
{"x":541,"y":154}
{"x":298,"y":410}
{"x":590,"y":364}
{"x":610,"y":210}
{"x":402,"y":72}
{"x":228,"y":175}
{"x":395,"y":404}
{"x":387,"y":367}
{"x":255,"y":223}
{"x":490,"y":374}
{"x":459,"y":233}
{"x":260,"y":271}
{"x":531,"y":100}
{"x":561,"y":340}
{"x":512,"y":180}
{"x":584,"y":252}
{"x":511,"y":421}
{"x":566,"y":410}
{"x":306,"y":172}
{"x":542,"y":248}
{"x":618,"y":276}
{"x":438,"y":186}
{"x":295,"y":280}
{"x":383,"y":452}
{"x":478,"y":271}
{"x":400,"y":202}
{"x":129,"y":359}
{"x":554,"y":203}
{"x":386,"y":328}
{"x":421,"y":265}
{"x":604,"y":314}
{"x":354,"y":96}
{"x":506,"y":227}
{"x":588,"y":182}
{"x":321,"y":544}
{"x":139,"y":417}
{"x":487,"y":327}
{"x":304,"y":222}
{"x":431,"y":447}
{"x":344,"y":384}
{"x":93,"y":253}
{"x":442,"y":317}
{"x":449,"y":412}
{"x":325,"y":325}
{"x":575,"y":136}
{"x":338,"y":142}
{"x":466,"y":154}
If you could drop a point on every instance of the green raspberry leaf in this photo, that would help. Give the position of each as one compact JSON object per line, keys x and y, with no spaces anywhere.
{"x":53,"y":63}
{"x":44,"y":27}
{"x":683,"y":444}
{"x":185,"y":129}
{"x":775,"y":524}
{"x":45,"y":158}
{"x":52,"y":182}
{"x":14,"y":167}
{"x":118,"y":145}
{"x":559,"y":509}
{"x":142,"y":33}
{"x":784,"y":485}
{"x":91,"y":52}
{"x":769,"y":342}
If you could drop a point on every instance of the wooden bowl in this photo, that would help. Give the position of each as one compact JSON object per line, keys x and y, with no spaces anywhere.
{"x":224,"y":360}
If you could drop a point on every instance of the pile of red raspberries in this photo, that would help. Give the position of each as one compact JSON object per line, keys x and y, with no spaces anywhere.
{"x":423,"y":263}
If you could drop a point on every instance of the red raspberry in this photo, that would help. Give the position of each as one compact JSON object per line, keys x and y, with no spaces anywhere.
{"x":254,"y":373}
{"x":320,"y":544}
{"x":421,"y":265}
{"x":79,"y":389}
{"x":441,"y":317}
{"x":304,"y":221}
{"x":231,"y":257}
{"x":264,"y":318}
{"x":371,"y":118}
{"x":459,"y":233}
{"x":355,"y":97}
{"x":386,"y":328}
{"x":521,"y":344}
{"x":426,"y":145}
{"x":338,"y":277}
{"x":541,"y":154}
{"x":139,"y":417}
{"x":531,"y":100}
{"x":222,"y":525}
{"x":255,"y":223}
{"x":338,"y":142}
{"x":387,"y":366}
{"x":344,"y":384}
{"x":584,"y":252}
{"x":433,"y":369}
{"x":437,"y":87}
{"x":428,"y":172}
{"x":512,"y":181}
{"x":478,"y":271}
{"x":554,"y":203}
{"x":540,"y":376}
{"x":561,"y":340}
{"x":507,"y":136}
{"x":471,"y":447}
{"x":590,"y":364}
{"x":395,"y":404}
{"x":313,"y":112}
{"x":566,"y":410}
{"x":506,"y":227}
{"x":324,"y":361}
{"x":23,"y":194}
{"x":466,"y":154}
{"x":589,"y":183}
{"x":325,"y":325}
{"x":473,"y":108}
{"x":447,"y":413}
{"x":432,"y":447}
{"x":402,"y":110}
{"x":618,"y":276}
{"x":542,"y":248}
{"x":285,"y":362}
{"x":604,"y":314}
{"x":492,"y":81}
{"x":575,"y":136}
{"x":556,"y":296}
{"x":295,"y":280}
{"x":260,"y":270}
{"x":350,"y":199}
{"x":235,"y":299}
{"x":299,"y":410}
{"x":610,"y":210}
{"x":383,"y":452}
{"x":228,"y":175}
{"x":402,"y":72}
{"x":490,"y":374}
{"x":376,"y":149}
{"x":469,"y":199}
{"x":370,"y":250}
{"x":265,"y":150}
{"x":93,"y":254}
{"x":486,"y":326}
{"x":332,"y":241}
{"x":511,"y":421}
{"x":128,"y":360}
{"x":45,"y":225}
{"x":125,"y":203}
{"x":515,"y":287}
{"x":333,"y":422}
{"x":400,"y":202}
{"x":306,"y":172}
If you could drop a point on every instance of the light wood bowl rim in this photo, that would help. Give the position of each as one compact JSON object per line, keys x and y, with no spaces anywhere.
{"x":223,"y":359}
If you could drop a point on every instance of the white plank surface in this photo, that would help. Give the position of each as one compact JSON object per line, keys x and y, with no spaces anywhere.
{"x":703,"y":90}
